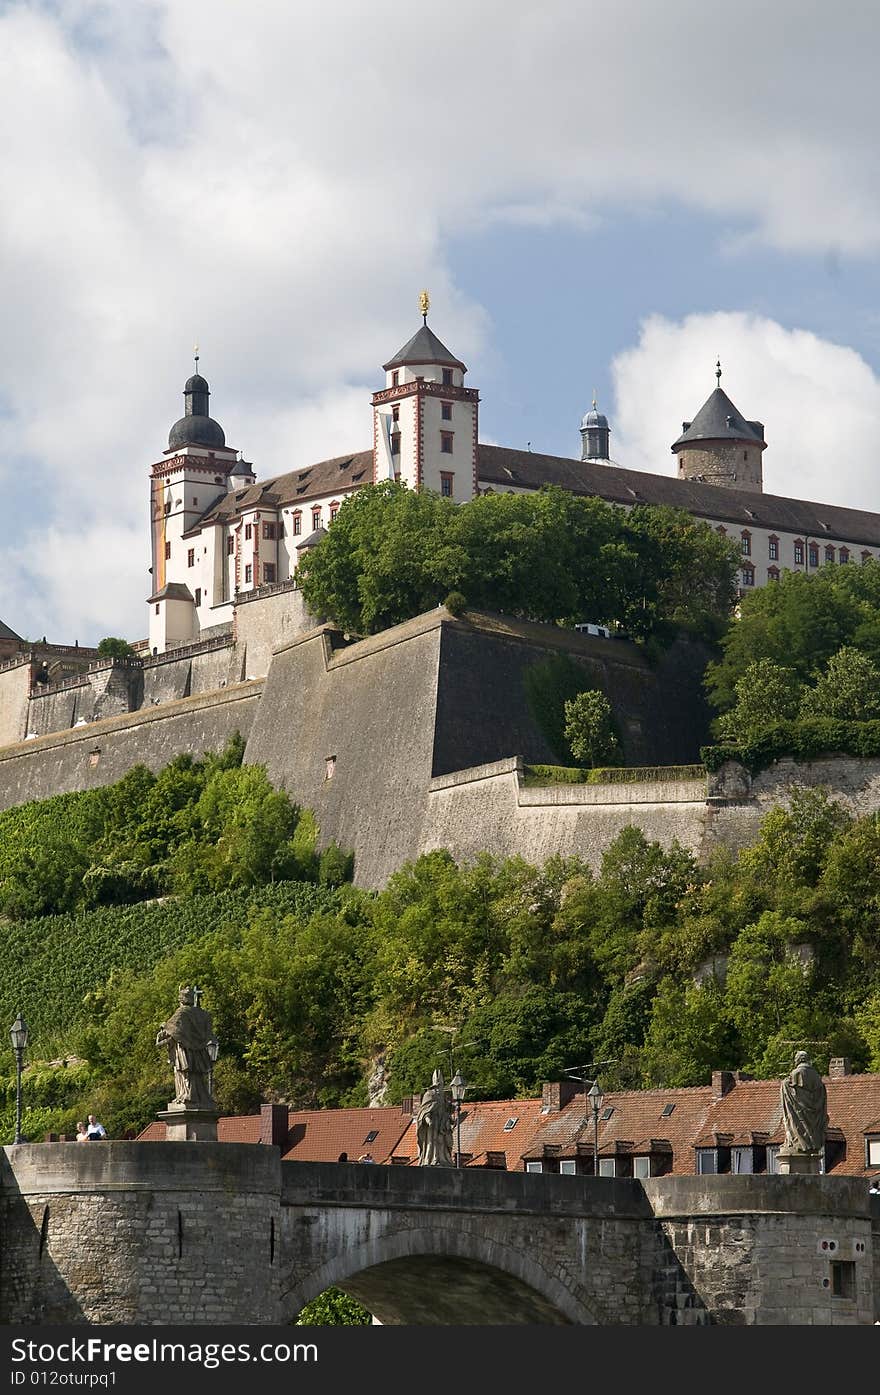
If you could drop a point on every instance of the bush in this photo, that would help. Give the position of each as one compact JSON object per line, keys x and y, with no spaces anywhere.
{"x":805,"y":739}
{"x":455,"y":602}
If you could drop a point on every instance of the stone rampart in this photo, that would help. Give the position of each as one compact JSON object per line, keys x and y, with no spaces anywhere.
{"x":15,"y":687}
{"x":266,"y":620}
{"x":101,"y":752}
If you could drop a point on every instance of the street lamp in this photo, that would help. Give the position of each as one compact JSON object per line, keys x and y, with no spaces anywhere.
{"x":457,"y":1087}
{"x":213,"y":1053}
{"x":19,"y":1034}
{"x":595,"y":1097}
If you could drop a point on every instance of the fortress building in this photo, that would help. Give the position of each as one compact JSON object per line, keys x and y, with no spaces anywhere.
{"x":219,"y":534}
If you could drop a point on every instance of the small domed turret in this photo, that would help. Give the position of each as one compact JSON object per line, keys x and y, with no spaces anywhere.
{"x":595,"y":434}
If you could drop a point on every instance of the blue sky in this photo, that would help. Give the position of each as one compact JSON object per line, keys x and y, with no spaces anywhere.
{"x":596,"y":197}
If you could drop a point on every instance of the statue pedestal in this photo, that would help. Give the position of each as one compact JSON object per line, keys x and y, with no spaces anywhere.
{"x":184,"y":1125}
{"x":799,"y":1164}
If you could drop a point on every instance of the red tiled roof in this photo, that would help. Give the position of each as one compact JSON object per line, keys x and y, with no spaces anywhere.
{"x":749,"y":1112}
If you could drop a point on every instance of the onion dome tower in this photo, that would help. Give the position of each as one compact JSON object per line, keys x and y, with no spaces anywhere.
{"x":196,"y":427}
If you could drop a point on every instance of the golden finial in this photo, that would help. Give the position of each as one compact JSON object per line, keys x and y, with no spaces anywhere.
{"x":424,"y":305}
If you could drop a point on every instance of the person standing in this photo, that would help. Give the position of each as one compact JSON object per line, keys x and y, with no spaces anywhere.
{"x":95,"y":1130}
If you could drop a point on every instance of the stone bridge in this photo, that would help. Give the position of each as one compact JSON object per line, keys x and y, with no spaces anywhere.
{"x":227,"y":1233}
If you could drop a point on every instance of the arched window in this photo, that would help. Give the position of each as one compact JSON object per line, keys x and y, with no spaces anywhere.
{"x":844,"y":554}
{"x":829,"y":553}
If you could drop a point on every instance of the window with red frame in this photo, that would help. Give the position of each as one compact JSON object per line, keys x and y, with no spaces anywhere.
{"x":230,"y":546}
{"x":748,"y":576}
{"x":191,"y":557}
{"x":316,"y":519}
{"x":772,"y":573}
{"x":798,"y":552}
{"x":248,"y":573}
{"x":829,"y":553}
{"x":746,"y":543}
{"x":248,"y":531}
{"x":773,"y":548}
{"x":446,"y":485}
{"x":813,"y":551}
{"x":297,"y":523}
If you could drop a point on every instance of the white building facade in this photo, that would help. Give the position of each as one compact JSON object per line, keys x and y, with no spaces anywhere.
{"x":218,"y":533}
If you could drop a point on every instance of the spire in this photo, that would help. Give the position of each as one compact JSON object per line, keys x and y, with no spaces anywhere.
{"x":718,"y":372}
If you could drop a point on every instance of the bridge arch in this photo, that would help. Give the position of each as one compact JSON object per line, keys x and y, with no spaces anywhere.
{"x":422,"y":1275}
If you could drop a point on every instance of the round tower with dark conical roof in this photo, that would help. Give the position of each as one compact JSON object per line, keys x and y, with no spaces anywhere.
{"x":720,"y":446}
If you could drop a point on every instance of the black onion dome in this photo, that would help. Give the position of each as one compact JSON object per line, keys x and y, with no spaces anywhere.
{"x":196,"y":428}
{"x":196,"y":431}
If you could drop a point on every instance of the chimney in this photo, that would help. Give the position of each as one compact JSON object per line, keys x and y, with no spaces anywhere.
{"x":556,"y":1094}
{"x":839,"y":1066}
{"x":273,"y":1124}
{"x":723,"y":1082}
{"x":408,"y":1106}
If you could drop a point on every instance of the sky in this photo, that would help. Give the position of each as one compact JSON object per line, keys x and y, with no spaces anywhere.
{"x":598,"y":198}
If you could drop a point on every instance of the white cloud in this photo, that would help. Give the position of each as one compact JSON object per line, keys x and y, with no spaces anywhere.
{"x":819,"y":402}
{"x":278,"y":181}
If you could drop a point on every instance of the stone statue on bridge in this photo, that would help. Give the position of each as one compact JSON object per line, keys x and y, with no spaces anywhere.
{"x":192,"y":1050}
{"x":804,"y":1101}
{"x":434,"y":1125}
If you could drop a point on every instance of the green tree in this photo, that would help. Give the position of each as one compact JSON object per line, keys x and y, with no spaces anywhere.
{"x":112,"y":648}
{"x":799,"y":623}
{"x":590,"y":730}
{"x":549,"y":556}
{"x":849,"y":688}
{"x":689,"y":1035}
{"x":766,"y":693}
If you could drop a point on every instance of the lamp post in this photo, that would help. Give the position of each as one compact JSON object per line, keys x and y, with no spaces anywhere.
{"x":213,"y":1052}
{"x":458,"y":1087}
{"x":19,"y":1035}
{"x":595,"y":1097}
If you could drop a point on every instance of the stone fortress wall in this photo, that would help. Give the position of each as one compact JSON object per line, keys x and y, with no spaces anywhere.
{"x":415,"y":739}
{"x":223,"y":1233}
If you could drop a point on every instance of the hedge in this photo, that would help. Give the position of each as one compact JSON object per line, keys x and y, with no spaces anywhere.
{"x":609,"y":774}
{"x":803,"y":739}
